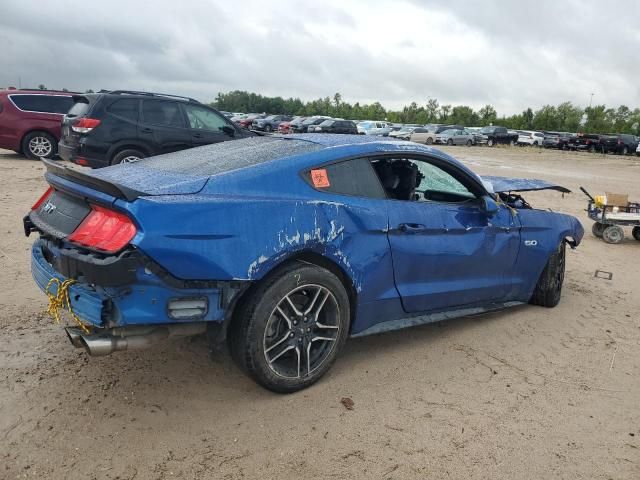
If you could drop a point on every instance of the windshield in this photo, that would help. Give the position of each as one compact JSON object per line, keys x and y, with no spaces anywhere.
{"x":327,"y":123}
{"x":309,"y":121}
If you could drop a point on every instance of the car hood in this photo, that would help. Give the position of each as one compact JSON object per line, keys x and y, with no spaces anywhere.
{"x":506,"y":184}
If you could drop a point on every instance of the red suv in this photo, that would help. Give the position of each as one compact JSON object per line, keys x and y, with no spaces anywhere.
{"x":30,"y":121}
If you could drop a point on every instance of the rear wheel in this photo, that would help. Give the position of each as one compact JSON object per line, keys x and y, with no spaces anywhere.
{"x":469,"y":143}
{"x":549,"y":288}
{"x":39,"y":144}
{"x":289,"y":331}
{"x":491,"y":142}
{"x":625,"y":150}
{"x":597,"y":229}
{"x":613,"y":234}
{"x":636,"y":233}
{"x":450,"y":142}
{"x":268,"y":128}
{"x":127,"y":156}
{"x":512,"y":143}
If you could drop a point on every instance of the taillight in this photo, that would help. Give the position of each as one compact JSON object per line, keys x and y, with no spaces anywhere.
{"x":85,"y":125}
{"x":104,"y":230}
{"x":41,"y":200}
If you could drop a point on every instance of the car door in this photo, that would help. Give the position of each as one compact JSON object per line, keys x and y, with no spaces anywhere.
{"x":458,"y":138}
{"x":162,"y":126}
{"x":447,"y":250}
{"x":205,"y":125}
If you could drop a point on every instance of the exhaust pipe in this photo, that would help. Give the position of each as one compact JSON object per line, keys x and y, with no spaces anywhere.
{"x":130,"y":338}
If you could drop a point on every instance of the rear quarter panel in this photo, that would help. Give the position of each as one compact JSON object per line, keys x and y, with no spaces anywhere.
{"x":224,"y":236}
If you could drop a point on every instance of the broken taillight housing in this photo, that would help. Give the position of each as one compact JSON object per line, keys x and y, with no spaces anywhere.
{"x":104,"y":230}
{"x":41,"y":200}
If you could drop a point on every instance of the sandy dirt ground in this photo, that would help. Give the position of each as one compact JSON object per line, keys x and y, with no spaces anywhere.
{"x":529,"y":393}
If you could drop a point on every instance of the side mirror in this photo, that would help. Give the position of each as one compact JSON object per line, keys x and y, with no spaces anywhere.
{"x":489,"y":205}
{"x":229,"y":130}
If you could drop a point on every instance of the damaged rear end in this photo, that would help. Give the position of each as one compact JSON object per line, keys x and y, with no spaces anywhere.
{"x":89,"y":259}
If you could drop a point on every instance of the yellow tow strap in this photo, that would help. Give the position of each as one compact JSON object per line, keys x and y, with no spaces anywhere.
{"x":61,"y":301}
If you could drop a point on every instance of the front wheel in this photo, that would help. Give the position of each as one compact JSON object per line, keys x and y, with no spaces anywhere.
{"x":291,"y":328}
{"x":549,"y":287}
{"x":450,"y":142}
{"x":636,"y":233}
{"x":469,"y":143}
{"x":268,"y":128}
{"x":613,"y":234}
{"x":36,"y":145}
{"x":625,"y":150}
{"x":429,"y":141}
{"x":512,"y":143}
{"x":491,"y":142}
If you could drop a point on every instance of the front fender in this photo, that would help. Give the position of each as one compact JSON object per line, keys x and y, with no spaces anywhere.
{"x":541,"y":234}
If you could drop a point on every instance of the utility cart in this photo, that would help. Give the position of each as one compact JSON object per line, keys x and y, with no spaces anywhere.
{"x":609,"y":219}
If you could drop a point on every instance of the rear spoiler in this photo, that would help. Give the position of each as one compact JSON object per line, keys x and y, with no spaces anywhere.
{"x":61,"y":170}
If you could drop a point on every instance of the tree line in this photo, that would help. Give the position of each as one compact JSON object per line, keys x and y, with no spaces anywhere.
{"x":565,"y":117}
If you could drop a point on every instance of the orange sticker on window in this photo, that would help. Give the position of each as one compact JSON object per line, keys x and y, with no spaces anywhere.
{"x":320,"y":178}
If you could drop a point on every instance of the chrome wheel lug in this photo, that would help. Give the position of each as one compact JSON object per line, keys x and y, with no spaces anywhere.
{"x":291,"y":335}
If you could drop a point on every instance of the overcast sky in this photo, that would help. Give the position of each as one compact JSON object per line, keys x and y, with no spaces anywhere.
{"x":512,"y":54}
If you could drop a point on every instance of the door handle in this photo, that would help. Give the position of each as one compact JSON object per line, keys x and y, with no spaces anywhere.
{"x":197,"y":135}
{"x":412,"y":227}
{"x":146,"y":130}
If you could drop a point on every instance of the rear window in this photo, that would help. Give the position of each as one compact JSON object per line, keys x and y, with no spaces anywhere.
{"x":79,"y":108}
{"x":42,"y":103}
{"x":125,"y":108}
{"x":353,"y":177}
{"x":227,"y":156}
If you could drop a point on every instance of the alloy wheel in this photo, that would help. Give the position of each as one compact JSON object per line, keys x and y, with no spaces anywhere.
{"x":301,"y":331}
{"x":40,"y":146}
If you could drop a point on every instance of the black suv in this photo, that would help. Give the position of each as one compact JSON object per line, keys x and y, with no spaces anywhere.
{"x":334,"y":126}
{"x":623,"y":143}
{"x":122,"y":126}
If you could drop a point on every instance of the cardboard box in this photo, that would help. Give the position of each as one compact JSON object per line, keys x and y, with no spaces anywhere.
{"x":617,"y":199}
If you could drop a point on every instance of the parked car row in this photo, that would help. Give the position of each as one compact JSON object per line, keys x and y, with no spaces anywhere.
{"x":100,"y":129}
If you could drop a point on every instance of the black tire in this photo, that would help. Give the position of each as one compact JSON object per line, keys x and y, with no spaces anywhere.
{"x":39,"y":144}
{"x":549,"y":287}
{"x":625,"y":150}
{"x":268,"y":128}
{"x":613,"y":234}
{"x":450,"y":142}
{"x":535,"y":144}
{"x":597,"y":229}
{"x":126,"y":156}
{"x":429,"y":141}
{"x":251,"y":326}
{"x":512,"y":143}
{"x":469,"y":143}
{"x":491,"y":142}
{"x":636,"y":233}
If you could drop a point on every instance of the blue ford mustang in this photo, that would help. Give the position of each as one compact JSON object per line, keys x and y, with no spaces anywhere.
{"x":285,"y":246}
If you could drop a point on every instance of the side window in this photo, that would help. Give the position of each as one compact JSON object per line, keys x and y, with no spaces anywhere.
{"x":125,"y":108}
{"x":43,"y":103}
{"x":419,"y":180}
{"x":204,"y":119}
{"x":351,"y":177}
{"x":162,"y":113}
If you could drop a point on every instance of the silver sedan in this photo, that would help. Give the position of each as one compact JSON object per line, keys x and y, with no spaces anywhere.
{"x":455,"y":137}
